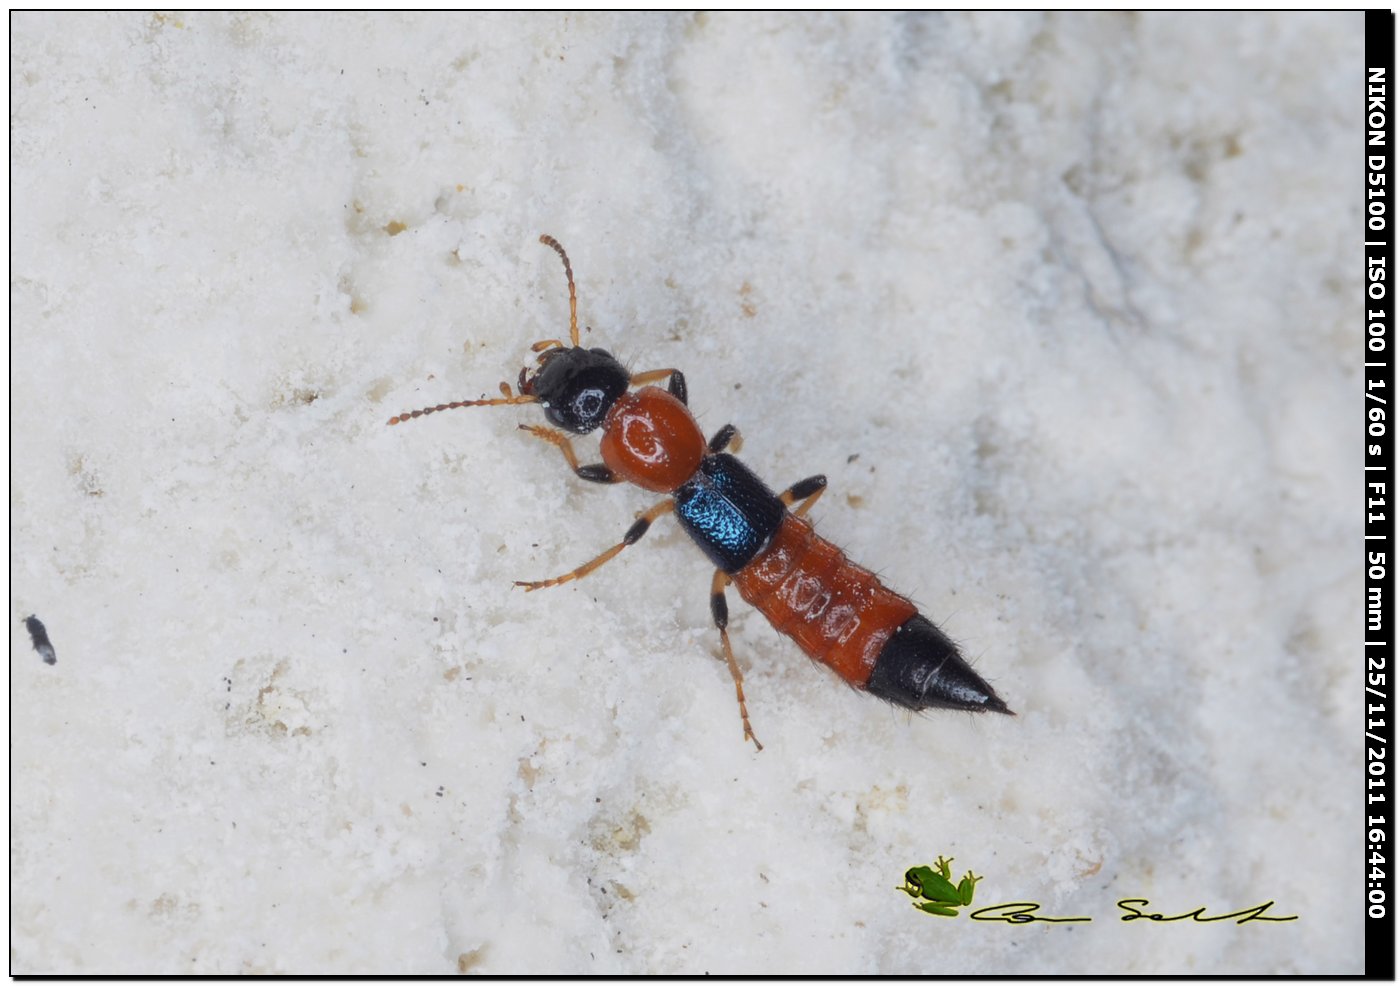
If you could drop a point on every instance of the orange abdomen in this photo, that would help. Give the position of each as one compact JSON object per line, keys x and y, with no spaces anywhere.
{"x":838,"y":612}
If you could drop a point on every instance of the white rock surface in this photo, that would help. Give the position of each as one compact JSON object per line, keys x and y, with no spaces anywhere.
{"x":1081,"y":292}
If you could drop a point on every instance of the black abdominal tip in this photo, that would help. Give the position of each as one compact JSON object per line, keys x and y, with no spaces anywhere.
{"x":995,"y":704}
{"x":960,"y":687}
{"x":920,"y":668}
{"x":956,"y":686}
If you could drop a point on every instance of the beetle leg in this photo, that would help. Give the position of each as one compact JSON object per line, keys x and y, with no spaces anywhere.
{"x":808,"y":491}
{"x":595,"y":473}
{"x":676,"y":386}
{"x":727,"y":437}
{"x":719,"y":609}
{"x":633,"y":535}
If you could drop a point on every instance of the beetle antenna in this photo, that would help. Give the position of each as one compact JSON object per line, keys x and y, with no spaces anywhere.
{"x":506,"y":398}
{"x":550,"y":241}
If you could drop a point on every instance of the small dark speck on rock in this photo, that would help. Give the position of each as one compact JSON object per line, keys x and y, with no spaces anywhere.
{"x":39,"y":637}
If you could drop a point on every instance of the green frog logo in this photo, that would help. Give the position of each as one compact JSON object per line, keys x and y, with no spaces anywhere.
{"x":933,"y":891}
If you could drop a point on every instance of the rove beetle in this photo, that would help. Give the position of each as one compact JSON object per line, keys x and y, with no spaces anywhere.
{"x":837,"y":612}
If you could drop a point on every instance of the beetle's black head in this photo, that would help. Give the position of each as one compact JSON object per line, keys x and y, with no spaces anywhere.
{"x":577,"y":386}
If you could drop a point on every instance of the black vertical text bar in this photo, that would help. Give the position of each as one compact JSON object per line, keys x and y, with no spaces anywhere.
{"x":1379,"y":400}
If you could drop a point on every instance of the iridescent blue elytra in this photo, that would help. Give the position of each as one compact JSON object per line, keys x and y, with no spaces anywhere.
{"x":728,"y":511}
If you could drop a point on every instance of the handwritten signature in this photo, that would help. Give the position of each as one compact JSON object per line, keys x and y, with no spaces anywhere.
{"x":934,"y":892}
{"x":1244,"y":916}
{"x":1026,"y":912}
